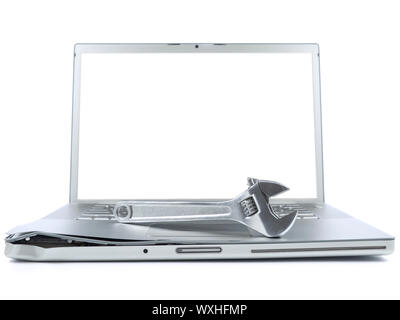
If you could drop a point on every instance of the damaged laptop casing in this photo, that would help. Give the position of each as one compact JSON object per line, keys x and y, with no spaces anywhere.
{"x":85,"y":230}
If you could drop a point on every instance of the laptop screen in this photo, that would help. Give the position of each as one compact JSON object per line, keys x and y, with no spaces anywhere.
{"x":195,"y":125}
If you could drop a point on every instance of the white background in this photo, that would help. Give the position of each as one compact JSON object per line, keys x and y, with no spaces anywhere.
{"x":360,"y":96}
{"x":161,"y":126}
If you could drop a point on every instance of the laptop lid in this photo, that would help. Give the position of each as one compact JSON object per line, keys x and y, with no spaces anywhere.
{"x":182,"y":121}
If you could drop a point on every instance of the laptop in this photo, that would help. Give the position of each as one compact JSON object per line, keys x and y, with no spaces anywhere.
{"x":190,"y":121}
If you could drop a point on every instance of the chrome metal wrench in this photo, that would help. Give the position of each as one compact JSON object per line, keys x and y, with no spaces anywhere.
{"x":251,"y":208}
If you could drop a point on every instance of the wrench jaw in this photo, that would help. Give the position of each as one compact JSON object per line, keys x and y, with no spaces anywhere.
{"x":269,"y":226}
{"x":267,"y":187}
{"x":265,"y":220}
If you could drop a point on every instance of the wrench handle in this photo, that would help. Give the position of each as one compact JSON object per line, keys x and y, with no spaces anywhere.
{"x":158,"y":211}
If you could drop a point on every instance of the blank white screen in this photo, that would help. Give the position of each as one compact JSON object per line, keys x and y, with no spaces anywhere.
{"x":195,"y":125}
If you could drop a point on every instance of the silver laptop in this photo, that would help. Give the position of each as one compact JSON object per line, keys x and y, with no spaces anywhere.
{"x":183,"y":121}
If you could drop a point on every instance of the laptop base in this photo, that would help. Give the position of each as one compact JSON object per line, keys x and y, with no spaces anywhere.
{"x":200,"y":252}
{"x":62,"y":236}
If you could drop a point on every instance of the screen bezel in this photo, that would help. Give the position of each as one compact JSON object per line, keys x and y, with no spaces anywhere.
{"x":82,"y":48}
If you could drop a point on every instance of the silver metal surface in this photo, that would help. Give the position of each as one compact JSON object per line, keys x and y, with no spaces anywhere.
{"x":251,"y":208}
{"x":104,"y":212}
{"x":198,"y":48}
{"x":332,"y":225}
{"x":201,"y":252}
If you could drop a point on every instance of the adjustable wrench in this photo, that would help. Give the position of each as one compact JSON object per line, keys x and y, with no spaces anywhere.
{"x":251,"y":208}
